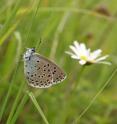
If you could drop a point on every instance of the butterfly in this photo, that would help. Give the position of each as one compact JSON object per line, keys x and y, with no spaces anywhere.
{"x":41,"y":72}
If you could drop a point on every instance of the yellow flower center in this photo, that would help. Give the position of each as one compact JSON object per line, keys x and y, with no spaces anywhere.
{"x":84,"y":58}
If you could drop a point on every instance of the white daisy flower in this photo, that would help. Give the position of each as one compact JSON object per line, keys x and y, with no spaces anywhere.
{"x":85,"y":56}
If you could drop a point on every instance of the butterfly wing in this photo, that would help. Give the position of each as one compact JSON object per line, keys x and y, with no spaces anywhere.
{"x":58,"y":74}
{"x":36,"y":72}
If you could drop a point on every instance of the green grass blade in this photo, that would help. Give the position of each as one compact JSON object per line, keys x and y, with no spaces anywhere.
{"x":32,"y":21}
{"x":15,"y":103}
{"x":19,"y":108}
{"x":32,"y":97}
{"x":8,"y":94}
{"x":95,"y":97}
{"x":10,"y":18}
{"x":8,"y":33}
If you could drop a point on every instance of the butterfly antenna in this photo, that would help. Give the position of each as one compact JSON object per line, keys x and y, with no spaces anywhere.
{"x":38,"y":43}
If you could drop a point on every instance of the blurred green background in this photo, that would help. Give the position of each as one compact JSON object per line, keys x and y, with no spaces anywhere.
{"x":23,"y":23}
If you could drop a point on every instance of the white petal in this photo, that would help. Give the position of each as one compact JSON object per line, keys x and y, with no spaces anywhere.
{"x":82,"y":62}
{"x":105,"y":62}
{"x":69,"y":53}
{"x":89,"y":50}
{"x":82,"y":46}
{"x":74,"y":50}
{"x":74,"y":57}
{"x":76,"y":44}
{"x":102,"y":58}
{"x":83,"y":50}
{"x":95,"y":54}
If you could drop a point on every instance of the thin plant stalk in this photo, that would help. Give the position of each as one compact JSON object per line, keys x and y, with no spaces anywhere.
{"x":9,"y":93}
{"x":19,"y":108}
{"x":95,"y":97}
{"x":32,"y":97}
{"x":15,"y":104}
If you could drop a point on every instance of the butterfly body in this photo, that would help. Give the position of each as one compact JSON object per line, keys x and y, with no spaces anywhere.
{"x":41,"y":72}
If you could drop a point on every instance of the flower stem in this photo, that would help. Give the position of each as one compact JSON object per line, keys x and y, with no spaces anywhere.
{"x":75,"y":85}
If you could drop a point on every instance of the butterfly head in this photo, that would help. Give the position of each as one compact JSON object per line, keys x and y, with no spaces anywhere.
{"x":29,"y":52}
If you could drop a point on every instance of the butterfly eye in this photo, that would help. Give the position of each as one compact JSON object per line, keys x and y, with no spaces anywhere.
{"x":33,"y":49}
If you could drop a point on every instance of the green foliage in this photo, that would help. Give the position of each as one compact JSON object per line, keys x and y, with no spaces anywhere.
{"x":87,"y":96}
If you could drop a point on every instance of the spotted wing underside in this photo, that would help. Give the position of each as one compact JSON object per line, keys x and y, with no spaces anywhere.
{"x":57,"y":73}
{"x":37,"y":74}
{"x":41,"y":72}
